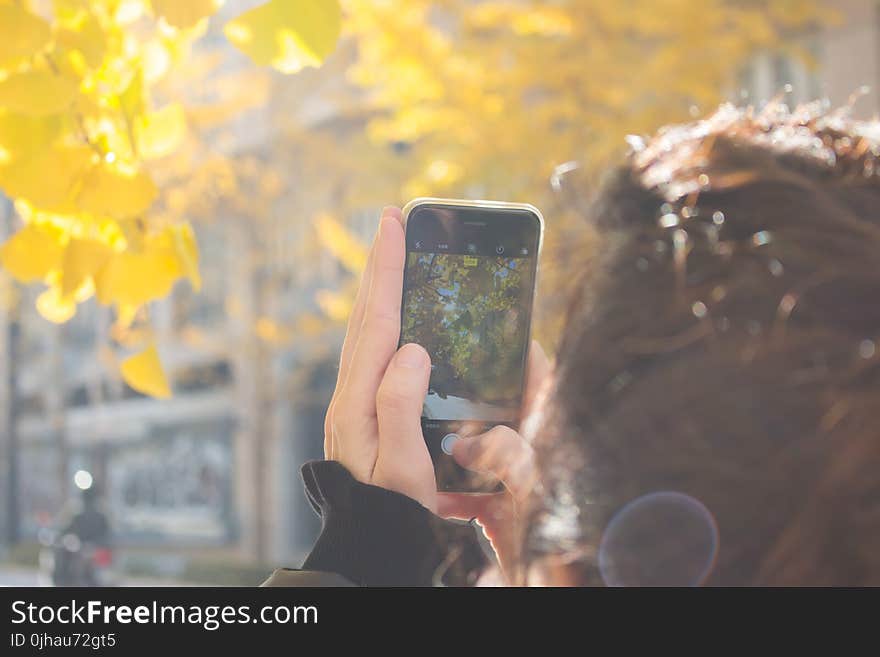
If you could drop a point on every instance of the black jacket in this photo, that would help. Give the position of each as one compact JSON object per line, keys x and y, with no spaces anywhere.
{"x":371,"y":536}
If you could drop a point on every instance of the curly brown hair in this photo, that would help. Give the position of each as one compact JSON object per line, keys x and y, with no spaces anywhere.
{"x":725,"y":343}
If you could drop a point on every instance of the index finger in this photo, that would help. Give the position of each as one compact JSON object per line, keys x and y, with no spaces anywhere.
{"x":357,"y":314}
{"x":380,"y":330}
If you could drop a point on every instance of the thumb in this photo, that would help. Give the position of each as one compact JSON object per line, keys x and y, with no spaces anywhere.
{"x":401,"y":394}
{"x":502,"y":452}
{"x":403,"y":461}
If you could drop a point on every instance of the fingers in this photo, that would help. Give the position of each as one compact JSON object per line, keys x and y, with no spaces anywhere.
{"x":351,"y":333}
{"x":537,"y":372}
{"x":399,"y":401}
{"x":502,"y":452}
{"x":353,"y":330}
{"x":357,"y":313}
{"x":403,"y":463}
{"x":380,"y":327}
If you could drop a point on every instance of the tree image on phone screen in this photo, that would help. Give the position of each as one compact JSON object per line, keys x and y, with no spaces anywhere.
{"x":471,"y":314}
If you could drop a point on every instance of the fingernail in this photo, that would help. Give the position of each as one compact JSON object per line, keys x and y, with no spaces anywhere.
{"x":391,"y":211}
{"x":412,"y":356}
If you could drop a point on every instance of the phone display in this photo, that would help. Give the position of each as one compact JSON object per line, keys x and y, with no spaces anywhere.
{"x":469,"y":284}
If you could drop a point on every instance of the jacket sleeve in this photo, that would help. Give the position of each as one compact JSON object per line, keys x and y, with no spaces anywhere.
{"x":371,"y":536}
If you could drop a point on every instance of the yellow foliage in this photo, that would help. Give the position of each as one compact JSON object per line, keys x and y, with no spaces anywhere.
{"x":144,"y":373}
{"x":55,"y":306}
{"x":130,"y":279}
{"x":125,"y":315}
{"x":20,"y":133}
{"x":160,"y":133}
{"x":32,"y":253}
{"x":82,"y":33}
{"x":187,"y":250}
{"x":83,"y":258}
{"x":335,"y":305}
{"x":287,"y":34}
{"x":340,"y":242}
{"x":49,"y":177}
{"x":108,"y":190}
{"x":184,"y":14}
{"x":21,"y":34}
{"x":136,"y":278}
{"x":80,"y":137}
{"x":491,"y":95}
{"x":37,"y":93}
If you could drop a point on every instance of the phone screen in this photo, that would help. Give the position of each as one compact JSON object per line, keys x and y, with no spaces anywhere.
{"x":468,"y":289}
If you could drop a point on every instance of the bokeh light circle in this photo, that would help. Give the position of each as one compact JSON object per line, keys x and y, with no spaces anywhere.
{"x":665,"y":538}
{"x":83,"y":479}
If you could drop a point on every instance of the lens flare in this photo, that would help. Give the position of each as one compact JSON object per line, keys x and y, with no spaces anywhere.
{"x":665,"y":538}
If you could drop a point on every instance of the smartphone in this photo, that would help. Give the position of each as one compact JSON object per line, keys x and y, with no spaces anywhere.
{"x":468,"y":290}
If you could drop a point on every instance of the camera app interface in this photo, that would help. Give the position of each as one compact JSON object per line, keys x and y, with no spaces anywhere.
{"x":470,"y":311}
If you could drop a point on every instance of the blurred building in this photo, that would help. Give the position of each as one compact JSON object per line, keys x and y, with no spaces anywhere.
{"x":844,"y":58}
{"x":215,"y":467}
{"x":215,"y":470}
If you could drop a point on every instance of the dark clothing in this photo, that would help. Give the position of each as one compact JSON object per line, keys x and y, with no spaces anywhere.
{"x":371,"y":536}
{"x":90,"y":526}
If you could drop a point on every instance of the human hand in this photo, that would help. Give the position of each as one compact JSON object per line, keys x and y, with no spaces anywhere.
{"x":373,"y":422}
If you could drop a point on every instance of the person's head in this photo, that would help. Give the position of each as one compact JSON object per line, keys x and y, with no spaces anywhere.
{"x":715,"y":410}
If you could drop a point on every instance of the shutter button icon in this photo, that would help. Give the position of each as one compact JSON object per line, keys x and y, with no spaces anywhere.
{"x":448,"y":441}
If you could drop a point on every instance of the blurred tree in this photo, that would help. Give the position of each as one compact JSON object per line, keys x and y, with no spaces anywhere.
{"x":490,"y":96}
{"x":485,"y":98}
{"x":451,"y":97}
{"x":83,"y":144}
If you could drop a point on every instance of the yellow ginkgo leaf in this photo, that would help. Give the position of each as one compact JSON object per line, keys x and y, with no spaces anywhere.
{"x":31,"y":253}
{"x":144,"y":373}
{"x":55,"y":306}
{"x":287,"y":34}
{"x":131,"y":100}
{"x":184,"y":14}
{"x":136,"y":278}
{"x":22,"y":34}
{"x":82,"y":259}
{"x":49,"y":177}
{"x":341,"y":243}
{"x":37,"y":93}
{"x":336,"y":306}
{"x":84,"y":34}
{"x":125,"y":315}
{"x":160,"y":133}
{"x":108,"y":190}
{"x":21,"y":135}
{"x":187,"y":250}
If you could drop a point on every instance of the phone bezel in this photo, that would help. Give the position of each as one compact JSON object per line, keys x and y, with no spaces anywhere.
{"x":487,"y":205}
